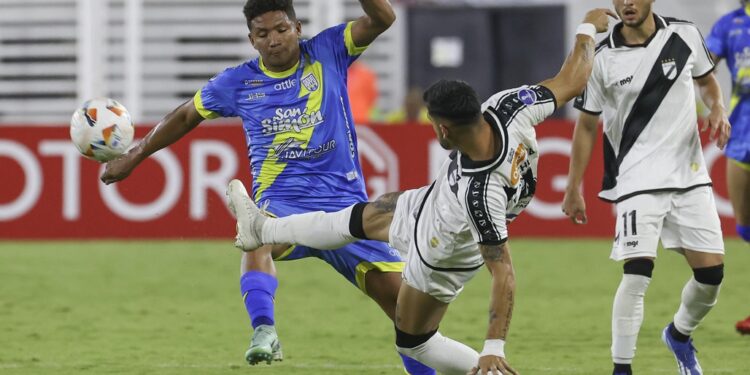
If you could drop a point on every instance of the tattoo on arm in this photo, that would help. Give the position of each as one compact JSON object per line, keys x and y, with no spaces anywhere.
{"x":387,"y":202}
{"x":493,"y":253}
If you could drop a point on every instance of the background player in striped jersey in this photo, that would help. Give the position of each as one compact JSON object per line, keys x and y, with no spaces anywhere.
{"x":449,"y":229}
{"x":643,"y":83}
{"x":730,"y":40}
{"x":302,"y":147}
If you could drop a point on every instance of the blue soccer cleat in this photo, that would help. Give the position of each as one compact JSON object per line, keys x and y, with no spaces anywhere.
{"x":684,"y":352}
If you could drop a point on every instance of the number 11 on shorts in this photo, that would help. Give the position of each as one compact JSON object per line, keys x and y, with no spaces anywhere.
{"x":633,"y":229}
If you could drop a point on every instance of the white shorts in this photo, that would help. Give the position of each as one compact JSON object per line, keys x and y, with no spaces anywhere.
{"x":682,"y":221}
{"x":425,"y":268}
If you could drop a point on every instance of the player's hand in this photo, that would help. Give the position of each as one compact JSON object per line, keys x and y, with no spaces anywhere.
{"x":574,"y":206}
{"x":120,"y":168}
{"x":492,"y":365}
{"x":719,"y":124}
{"x":599,"y":17}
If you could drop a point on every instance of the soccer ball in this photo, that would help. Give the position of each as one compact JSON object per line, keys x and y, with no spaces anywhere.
{"x":101,"y":129}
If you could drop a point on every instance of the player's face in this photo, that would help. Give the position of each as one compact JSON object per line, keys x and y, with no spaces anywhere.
{"x":633,"y":12}
{"x":276,"y":38}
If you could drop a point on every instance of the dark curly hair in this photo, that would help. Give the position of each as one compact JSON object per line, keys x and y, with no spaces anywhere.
{"x":454,"y":101}
{"x":255,"y":8}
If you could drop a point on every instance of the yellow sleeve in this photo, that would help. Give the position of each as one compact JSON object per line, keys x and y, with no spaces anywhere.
{"x":349,"y":42}
{"x":198,"y":103}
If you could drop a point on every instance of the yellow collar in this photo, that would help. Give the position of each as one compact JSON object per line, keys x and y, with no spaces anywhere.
{"x":283,"y":74}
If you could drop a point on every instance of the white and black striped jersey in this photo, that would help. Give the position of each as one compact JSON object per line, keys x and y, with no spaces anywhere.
{"x":646,"y":94}
{"x":470,"y":201}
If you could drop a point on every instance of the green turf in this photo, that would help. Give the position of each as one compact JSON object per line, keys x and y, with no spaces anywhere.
{"x":174,"y":308}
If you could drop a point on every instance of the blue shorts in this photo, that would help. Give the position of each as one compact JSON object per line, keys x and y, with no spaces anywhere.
{"x":352,"y":261}
{"x":738,"y":147}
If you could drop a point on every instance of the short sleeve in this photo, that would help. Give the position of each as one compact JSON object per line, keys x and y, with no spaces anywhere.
{"x":703,"y":63}
{"x":529,"y":105}
{"x":215,"y":98}
{"x":486,"y":205}
{"x":717,"y":39}
{"x":591,"y":100}
{"x":336,"y":43}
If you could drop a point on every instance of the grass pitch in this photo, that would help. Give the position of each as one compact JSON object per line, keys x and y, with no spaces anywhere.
{"x":175,"y":308}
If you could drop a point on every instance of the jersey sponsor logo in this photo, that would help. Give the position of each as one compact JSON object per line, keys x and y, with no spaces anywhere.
{"x":291,"y":119}
{"x":519,"y":164}
{"x":310,"y":82}
{"x":253,"y":82}
{"x":631,"y":244}
{"x":669,"y":67}
{"x":291,"y":149}
{"x":626,"y":81}
{"x":286,"y":85}
{"x":527,"y":96}
{"x":253,"y":96}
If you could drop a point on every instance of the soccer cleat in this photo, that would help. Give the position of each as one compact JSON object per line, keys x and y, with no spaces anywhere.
{"x":250,"y":218}
{"x":743,"y":326}
{"x":684,"y":353}
{"x":264,"y":346}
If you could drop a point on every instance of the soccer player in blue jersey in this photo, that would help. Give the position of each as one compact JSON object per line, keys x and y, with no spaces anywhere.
{"x":302,"y":147}
{"x":730,"y":40}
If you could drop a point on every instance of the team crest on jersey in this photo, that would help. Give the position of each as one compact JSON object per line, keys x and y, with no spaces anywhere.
{"x":669,"y":67}
{"x":527,"y":96}
{"x":310,"y":82}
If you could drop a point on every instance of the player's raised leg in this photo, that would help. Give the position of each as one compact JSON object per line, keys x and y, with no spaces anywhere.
{"x":319,"y":230}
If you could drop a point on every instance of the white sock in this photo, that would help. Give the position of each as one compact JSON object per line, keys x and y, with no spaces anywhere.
{"x":697,"y":301}
{"x":319,"y":230}
{"x":446,"y":356}
{"x":627,"y":316}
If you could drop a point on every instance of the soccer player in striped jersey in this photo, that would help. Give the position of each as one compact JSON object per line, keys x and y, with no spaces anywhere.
{"x":302,"y":148}
{"x":730,"y":40}
{"x":643,"y":83}
{"x":452,"y":228}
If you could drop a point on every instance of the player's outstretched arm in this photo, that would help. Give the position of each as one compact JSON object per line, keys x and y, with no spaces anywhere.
{"x":717,"y":120}
{"x":175,"y":125}
{"x":498,"y":261}
{"x":584,"y":138}
{"x":572,"y":78}
{"x":379,"y":16}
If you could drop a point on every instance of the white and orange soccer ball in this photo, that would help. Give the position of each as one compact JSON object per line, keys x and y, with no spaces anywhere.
{"x":101,"y":129}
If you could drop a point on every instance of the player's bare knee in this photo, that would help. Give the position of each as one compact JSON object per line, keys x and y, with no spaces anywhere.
{"x":372,"y":220}
{"x":639,"y":266}
{"x":709,"y":275}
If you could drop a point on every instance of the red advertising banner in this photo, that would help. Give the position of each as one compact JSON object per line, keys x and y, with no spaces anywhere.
{"x":49,"y":191}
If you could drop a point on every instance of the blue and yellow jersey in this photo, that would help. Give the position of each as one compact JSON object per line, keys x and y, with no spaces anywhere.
{"x":298,"y":124}
{"x":730,"y":40}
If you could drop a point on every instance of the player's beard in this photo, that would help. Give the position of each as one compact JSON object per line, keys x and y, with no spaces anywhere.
{"x":445,"y":143}
{"x":645,"y":12}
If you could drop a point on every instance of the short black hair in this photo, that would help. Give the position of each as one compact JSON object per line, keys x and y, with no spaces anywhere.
{"x":255,"y":8}
{"x":454,"y":101}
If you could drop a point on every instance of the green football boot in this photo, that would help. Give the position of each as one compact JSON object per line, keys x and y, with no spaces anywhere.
{"x":264,"y":346}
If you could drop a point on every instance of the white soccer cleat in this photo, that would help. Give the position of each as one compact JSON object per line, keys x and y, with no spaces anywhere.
{"x":250,"y":219}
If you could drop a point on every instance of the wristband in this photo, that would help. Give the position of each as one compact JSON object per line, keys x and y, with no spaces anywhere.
{"x":494,"y":347}
{"x":587,"y":29}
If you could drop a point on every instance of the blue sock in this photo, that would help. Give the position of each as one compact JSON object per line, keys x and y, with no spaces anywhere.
{"x":744,"y":232}
{"x":413,"y":367}
{"x":258,"y":290}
